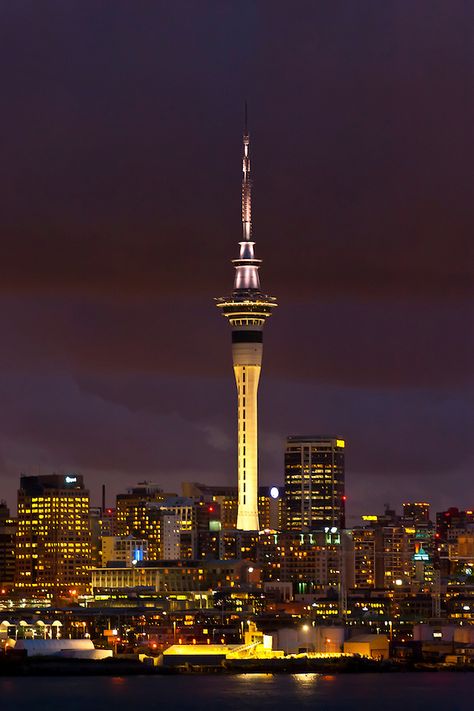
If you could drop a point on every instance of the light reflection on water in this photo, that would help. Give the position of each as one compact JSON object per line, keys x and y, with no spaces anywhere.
{"x":306,"y":678}
{"x":254,"y":678}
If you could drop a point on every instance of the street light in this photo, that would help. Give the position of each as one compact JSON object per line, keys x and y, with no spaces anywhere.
{"x":305,"y":629}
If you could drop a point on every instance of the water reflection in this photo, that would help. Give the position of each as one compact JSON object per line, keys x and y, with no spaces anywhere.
{"x":306,"y":682}
{"x":255,"y":677}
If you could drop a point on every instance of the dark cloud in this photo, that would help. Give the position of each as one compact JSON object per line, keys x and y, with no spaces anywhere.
{"x":121,"y":143}
{"x":119,"y":203}
{"x":121,"y":429}
{"x":386,"y":344}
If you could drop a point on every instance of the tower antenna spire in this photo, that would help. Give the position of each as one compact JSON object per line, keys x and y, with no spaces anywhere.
{"x":246,"y":188}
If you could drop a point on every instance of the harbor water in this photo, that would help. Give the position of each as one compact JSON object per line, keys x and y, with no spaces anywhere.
{"x":438,"y":691}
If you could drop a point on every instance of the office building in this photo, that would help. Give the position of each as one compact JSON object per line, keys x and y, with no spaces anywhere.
{"x":53,"y":548}
{"x":314,"y":483}
{"x":130,"y":512}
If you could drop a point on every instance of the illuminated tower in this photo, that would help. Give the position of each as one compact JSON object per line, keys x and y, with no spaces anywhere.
{"x":247,"y":310}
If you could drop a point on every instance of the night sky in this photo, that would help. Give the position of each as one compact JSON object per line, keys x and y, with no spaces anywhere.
{"x":120,"y":179}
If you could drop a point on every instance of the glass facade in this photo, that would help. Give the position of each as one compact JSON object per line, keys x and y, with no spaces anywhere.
{"x":53,"y":545}
{"x":314,"y":483}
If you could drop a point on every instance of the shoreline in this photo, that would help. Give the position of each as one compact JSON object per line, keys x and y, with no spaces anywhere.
{"x":54,"y":667}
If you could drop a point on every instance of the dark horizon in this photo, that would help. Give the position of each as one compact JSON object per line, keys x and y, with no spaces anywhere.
{"x":120,"y":185}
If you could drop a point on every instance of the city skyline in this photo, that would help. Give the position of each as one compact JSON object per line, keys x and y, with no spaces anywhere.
{"x":363,"y":216}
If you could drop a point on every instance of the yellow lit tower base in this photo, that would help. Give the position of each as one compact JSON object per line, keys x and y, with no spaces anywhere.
{"x":247,"y":309}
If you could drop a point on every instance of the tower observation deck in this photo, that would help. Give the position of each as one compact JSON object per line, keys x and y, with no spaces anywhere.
{"x":247,"y":309}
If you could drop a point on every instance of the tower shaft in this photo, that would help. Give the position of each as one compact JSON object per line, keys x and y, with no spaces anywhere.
{"x":247,"y":359}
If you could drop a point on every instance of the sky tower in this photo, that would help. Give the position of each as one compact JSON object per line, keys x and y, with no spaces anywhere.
{"x":247,"y":310}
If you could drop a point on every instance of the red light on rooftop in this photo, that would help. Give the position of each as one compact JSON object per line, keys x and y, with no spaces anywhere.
{"x":344,"y":498}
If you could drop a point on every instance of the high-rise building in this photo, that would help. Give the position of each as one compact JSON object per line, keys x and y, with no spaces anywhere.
{"x":137,"y":514}
{"x":393,"y":556}
{"x":7,"y":549}
{"x":53,"y":547}
{"x":364,"y":556}
{"x":129,"y":512}
{"x":314,"y":483}
{"x":247,"y":309}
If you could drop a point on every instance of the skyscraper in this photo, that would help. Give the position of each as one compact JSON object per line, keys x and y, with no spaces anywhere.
{"x":314,"y":483}
{"x":247,"y":310}
{"x":53,"y":549}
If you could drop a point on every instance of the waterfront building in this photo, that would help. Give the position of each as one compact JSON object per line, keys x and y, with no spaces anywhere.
{"x":247,"y":309}
{"x":53,"y":547}
{"x":172,"y":577}
{"x":314,"y":483}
